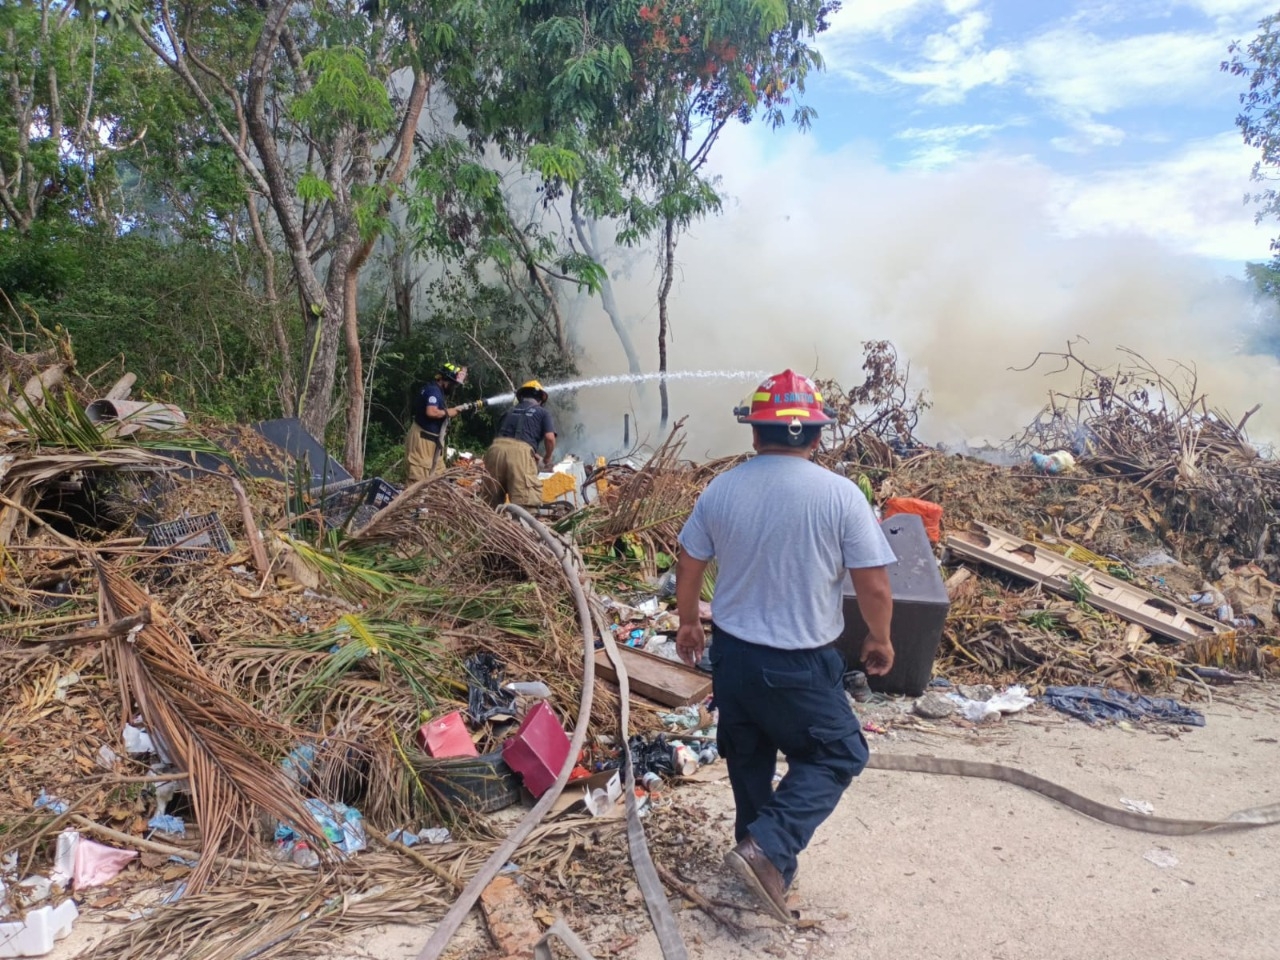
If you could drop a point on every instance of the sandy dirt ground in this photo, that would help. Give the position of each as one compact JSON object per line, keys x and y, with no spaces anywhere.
{"x":927,"y":867}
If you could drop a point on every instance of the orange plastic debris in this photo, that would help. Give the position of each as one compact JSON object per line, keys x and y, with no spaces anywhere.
{"x":926,"y":510}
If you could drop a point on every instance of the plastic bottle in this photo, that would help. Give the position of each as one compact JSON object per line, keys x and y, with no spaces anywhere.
{"x":304,"y":856}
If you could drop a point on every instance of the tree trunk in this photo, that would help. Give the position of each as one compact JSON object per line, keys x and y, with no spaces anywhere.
{"x":402,"y":285}
{"x":288,"y":390}
{"x":664,"y":291}
{"x":362,"y":173}
{"x":322,"y":305}
{"x":590,"y":246}
{"x":353,"y":443}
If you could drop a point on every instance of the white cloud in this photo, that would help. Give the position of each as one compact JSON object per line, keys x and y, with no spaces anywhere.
{"x":1087,"y":134}
{"x":942,"y":146}
{"x":956,"y":60}
{"x":1191,"y":201}
{"x":877,"y":16}
{"x":1084,"y":74}
{"x":1231,"y":9}
{"x":952,"y":133}
{"x":937,"y":156}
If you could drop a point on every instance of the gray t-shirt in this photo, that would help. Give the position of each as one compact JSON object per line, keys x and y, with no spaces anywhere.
{"x":784,"y":532}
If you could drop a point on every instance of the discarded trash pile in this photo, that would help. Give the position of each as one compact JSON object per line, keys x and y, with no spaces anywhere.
{"x":221,"y":656}
{"x":1142,"y":556}
{"x":200,"y":663}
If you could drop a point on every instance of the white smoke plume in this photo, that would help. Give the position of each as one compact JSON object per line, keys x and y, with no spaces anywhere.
{"x":965,"y":271}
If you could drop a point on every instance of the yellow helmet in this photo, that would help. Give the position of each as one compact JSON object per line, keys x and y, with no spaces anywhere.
{"x":532,"y":389}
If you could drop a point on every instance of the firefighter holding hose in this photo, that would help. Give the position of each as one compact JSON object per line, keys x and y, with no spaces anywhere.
{"x":512,"y":460}
{"x":423,"y":449}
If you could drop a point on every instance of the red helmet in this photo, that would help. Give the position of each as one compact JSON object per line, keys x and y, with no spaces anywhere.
{"x":786,"y":398}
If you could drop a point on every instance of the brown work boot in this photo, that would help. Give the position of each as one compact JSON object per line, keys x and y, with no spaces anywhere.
{"x":761,"y":876}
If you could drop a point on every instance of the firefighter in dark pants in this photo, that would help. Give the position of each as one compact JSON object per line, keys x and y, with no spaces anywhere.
{"x":512,"y":460}
{"x":784,"y":533}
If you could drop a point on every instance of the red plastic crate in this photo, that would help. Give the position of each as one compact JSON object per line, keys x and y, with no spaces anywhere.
{"x":538,"y":750}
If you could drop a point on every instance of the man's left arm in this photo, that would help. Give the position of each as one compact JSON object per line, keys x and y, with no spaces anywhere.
{"x":548,"y":438}
{"x":875,"y":602}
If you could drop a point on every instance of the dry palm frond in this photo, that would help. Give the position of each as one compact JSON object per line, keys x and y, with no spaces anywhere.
{"x":301,"y":916}
{"x":204,"y":729}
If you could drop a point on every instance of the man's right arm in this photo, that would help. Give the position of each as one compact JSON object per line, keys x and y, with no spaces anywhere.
{"x":875,"y":601}
{"x":691,"y":640}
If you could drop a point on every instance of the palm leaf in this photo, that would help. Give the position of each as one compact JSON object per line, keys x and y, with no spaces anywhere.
{"x":356,"y":642}
{"x":205,"y":730}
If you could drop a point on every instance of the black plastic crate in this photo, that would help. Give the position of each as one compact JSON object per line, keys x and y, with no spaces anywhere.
{"x":482,"y":784}
{"x":920,"y":605}
{"x":191,"y":537}
{"x":356,"y":503}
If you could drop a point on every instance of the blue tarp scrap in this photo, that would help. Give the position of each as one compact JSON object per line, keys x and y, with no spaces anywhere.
{"x":1096,"y":704}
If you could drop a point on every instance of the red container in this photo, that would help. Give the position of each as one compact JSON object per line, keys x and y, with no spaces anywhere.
{"x":447,"y":737}
{"x":538,"y":750}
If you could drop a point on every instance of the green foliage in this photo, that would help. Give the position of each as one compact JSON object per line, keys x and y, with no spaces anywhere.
{"x":177,"y":315}
{"x":357,"y":643}
{"x":1259,"y":119}
{"x":313,"y":188}
{"x":342,"y":92}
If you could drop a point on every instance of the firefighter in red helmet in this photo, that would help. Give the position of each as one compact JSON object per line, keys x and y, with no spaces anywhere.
{"x":785,"y":534}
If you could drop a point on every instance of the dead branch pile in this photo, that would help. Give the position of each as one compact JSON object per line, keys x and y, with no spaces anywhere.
{"x":877,"y":418}
{"x":1158,"y":430}
{"x":308,"y":638}
{"x":1002,"y":629}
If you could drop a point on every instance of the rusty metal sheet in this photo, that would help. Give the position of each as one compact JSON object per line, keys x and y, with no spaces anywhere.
{"x":1012,"y":554}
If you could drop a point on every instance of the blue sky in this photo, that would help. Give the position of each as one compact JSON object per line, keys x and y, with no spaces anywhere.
{"x":1120,"y":102}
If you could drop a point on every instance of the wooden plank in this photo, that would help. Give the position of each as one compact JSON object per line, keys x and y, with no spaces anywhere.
{"x":661,"y":680}
{"x":1004,"y":551}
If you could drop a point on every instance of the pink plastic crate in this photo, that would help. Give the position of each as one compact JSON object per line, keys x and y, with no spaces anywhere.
{"x":538,"y":750}
{"x":447,"y":736}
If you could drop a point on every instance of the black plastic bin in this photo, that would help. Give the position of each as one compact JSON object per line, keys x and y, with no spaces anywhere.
{"x":920,"y":605}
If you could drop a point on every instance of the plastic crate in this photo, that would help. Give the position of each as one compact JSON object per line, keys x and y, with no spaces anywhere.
{"x":482,"y":784}
{"x":356,"y":503}
{"x":196,"y":535}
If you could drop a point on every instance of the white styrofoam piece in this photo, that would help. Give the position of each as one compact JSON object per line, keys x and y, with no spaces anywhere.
{"x":36,"y":935}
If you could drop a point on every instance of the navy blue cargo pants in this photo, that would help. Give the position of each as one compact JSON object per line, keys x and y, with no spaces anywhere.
{"x":791,"y":701}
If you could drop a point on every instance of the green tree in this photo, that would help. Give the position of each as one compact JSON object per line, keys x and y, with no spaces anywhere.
{"x":1258,"y":62}
{"x":319,"y":104}
{"x":73,"y":101}
{"x":619,"y":105}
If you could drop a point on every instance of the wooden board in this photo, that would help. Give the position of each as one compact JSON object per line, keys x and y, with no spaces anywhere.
{"x":661,"y":680}
{"x":1022,"y":558}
